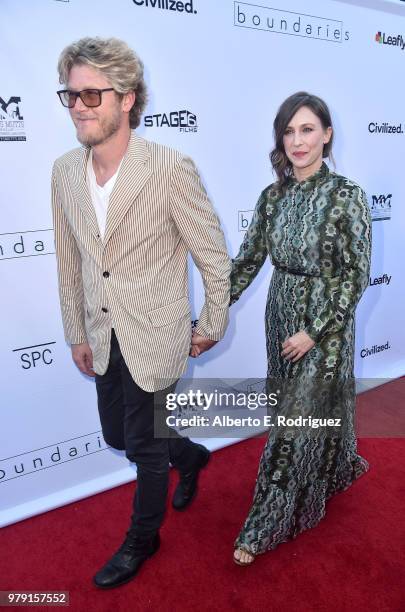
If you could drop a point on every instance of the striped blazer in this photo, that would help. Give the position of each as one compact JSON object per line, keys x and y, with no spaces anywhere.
{"x":136,"y":279}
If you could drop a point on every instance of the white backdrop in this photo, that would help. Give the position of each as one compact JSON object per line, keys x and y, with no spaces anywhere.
{"x":229,"y":64}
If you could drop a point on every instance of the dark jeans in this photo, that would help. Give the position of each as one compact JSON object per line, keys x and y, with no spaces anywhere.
{"x":127,"y":420}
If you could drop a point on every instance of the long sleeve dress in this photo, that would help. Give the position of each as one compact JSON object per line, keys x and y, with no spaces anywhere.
{"x":318,"y":236}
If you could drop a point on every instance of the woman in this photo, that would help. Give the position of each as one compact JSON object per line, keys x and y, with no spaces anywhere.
{"x":315,"y":226}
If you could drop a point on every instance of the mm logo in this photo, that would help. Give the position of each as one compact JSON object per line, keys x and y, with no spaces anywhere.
{"x":382,"y":200}
{"x":381,"y":207}
{"x":10,"y":109}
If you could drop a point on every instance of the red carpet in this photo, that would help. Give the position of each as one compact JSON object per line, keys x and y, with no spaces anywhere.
{"x":353,"y":560}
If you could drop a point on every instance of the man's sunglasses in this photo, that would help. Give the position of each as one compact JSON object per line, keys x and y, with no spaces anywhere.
{"x":89,"y":97}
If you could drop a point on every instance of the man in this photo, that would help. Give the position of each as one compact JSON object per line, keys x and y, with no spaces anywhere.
{"x":126,"y":214}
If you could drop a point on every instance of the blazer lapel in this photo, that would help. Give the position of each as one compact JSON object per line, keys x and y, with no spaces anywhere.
{"x":133,"y":175}
{"x":78,"y":174}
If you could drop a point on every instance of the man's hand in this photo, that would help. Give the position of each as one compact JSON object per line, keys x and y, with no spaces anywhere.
{"x":199,"y":345}
{"x":295,"y":347}
{"x":83,"y":358}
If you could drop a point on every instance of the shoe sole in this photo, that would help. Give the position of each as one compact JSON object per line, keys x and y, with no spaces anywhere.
{"x":203,"y":465}
{"x":112,"y":586}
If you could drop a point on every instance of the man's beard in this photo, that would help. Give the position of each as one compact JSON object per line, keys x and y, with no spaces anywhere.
{"x":107,"y":128}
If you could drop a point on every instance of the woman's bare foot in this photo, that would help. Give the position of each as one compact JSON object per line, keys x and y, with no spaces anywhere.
{"x":242,"y":557}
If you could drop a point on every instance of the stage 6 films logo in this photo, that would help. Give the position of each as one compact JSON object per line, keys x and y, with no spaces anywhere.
{"x":184,"y":120}
{"x":11,"y":119}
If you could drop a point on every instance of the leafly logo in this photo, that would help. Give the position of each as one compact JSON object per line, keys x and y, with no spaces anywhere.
{"x":380,"y":207}
{"x":11,"y":119}
{"x":169,"y":5}
{"x":393,"y":41}
{"x":385,"y":279}
{"x":279,"y":21}
{"x":184,"y":120}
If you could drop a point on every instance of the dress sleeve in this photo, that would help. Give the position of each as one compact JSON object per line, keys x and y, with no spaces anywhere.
{"x":356,"y":254}
{"x":252,"y":253}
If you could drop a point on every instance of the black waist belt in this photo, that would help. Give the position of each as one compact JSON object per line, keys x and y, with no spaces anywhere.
{"x":298,"y":272}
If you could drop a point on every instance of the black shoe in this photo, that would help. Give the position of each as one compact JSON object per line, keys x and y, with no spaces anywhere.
{"x":126,"y":562}
{"x":187,"y":487}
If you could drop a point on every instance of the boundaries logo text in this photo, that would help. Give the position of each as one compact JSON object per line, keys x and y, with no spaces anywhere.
{"x":286,"y":22}
{"x":50,"y":456}
{"x":244,"y":219}
{"x":27,"y":244}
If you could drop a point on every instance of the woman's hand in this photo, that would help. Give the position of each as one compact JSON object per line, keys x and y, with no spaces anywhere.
{"x":295,"y":347}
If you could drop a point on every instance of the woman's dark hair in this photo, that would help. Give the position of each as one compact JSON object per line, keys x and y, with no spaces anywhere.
{"x":279,"y":160}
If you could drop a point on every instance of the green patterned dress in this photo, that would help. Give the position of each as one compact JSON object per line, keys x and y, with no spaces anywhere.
{"x":318,"y":236}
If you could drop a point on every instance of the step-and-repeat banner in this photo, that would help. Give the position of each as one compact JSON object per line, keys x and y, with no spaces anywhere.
{"x":217,"y":72}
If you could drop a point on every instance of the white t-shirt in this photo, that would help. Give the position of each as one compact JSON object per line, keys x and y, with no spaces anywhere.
{"x":100,"y":196}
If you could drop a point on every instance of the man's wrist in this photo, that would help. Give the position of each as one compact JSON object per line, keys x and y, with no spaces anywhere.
{"x":208,"y":336}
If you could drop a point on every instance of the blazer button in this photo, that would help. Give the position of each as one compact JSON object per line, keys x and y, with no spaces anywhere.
{"x":106,"y":274}
{"x":104,"y":309}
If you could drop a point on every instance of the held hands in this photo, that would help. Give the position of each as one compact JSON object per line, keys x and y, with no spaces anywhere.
{"x":199,"y":345}
{"x":83,"y":358}
{"x":295,"y":347}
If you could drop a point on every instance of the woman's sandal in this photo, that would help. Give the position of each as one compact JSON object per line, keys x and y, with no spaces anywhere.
{"x":243,"y":563}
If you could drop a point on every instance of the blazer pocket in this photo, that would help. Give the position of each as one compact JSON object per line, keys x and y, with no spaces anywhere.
{"x":170,"y":312}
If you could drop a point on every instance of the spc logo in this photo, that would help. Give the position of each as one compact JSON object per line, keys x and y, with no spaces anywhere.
{"x":183,"y":119}
{"x":36,"y":355}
